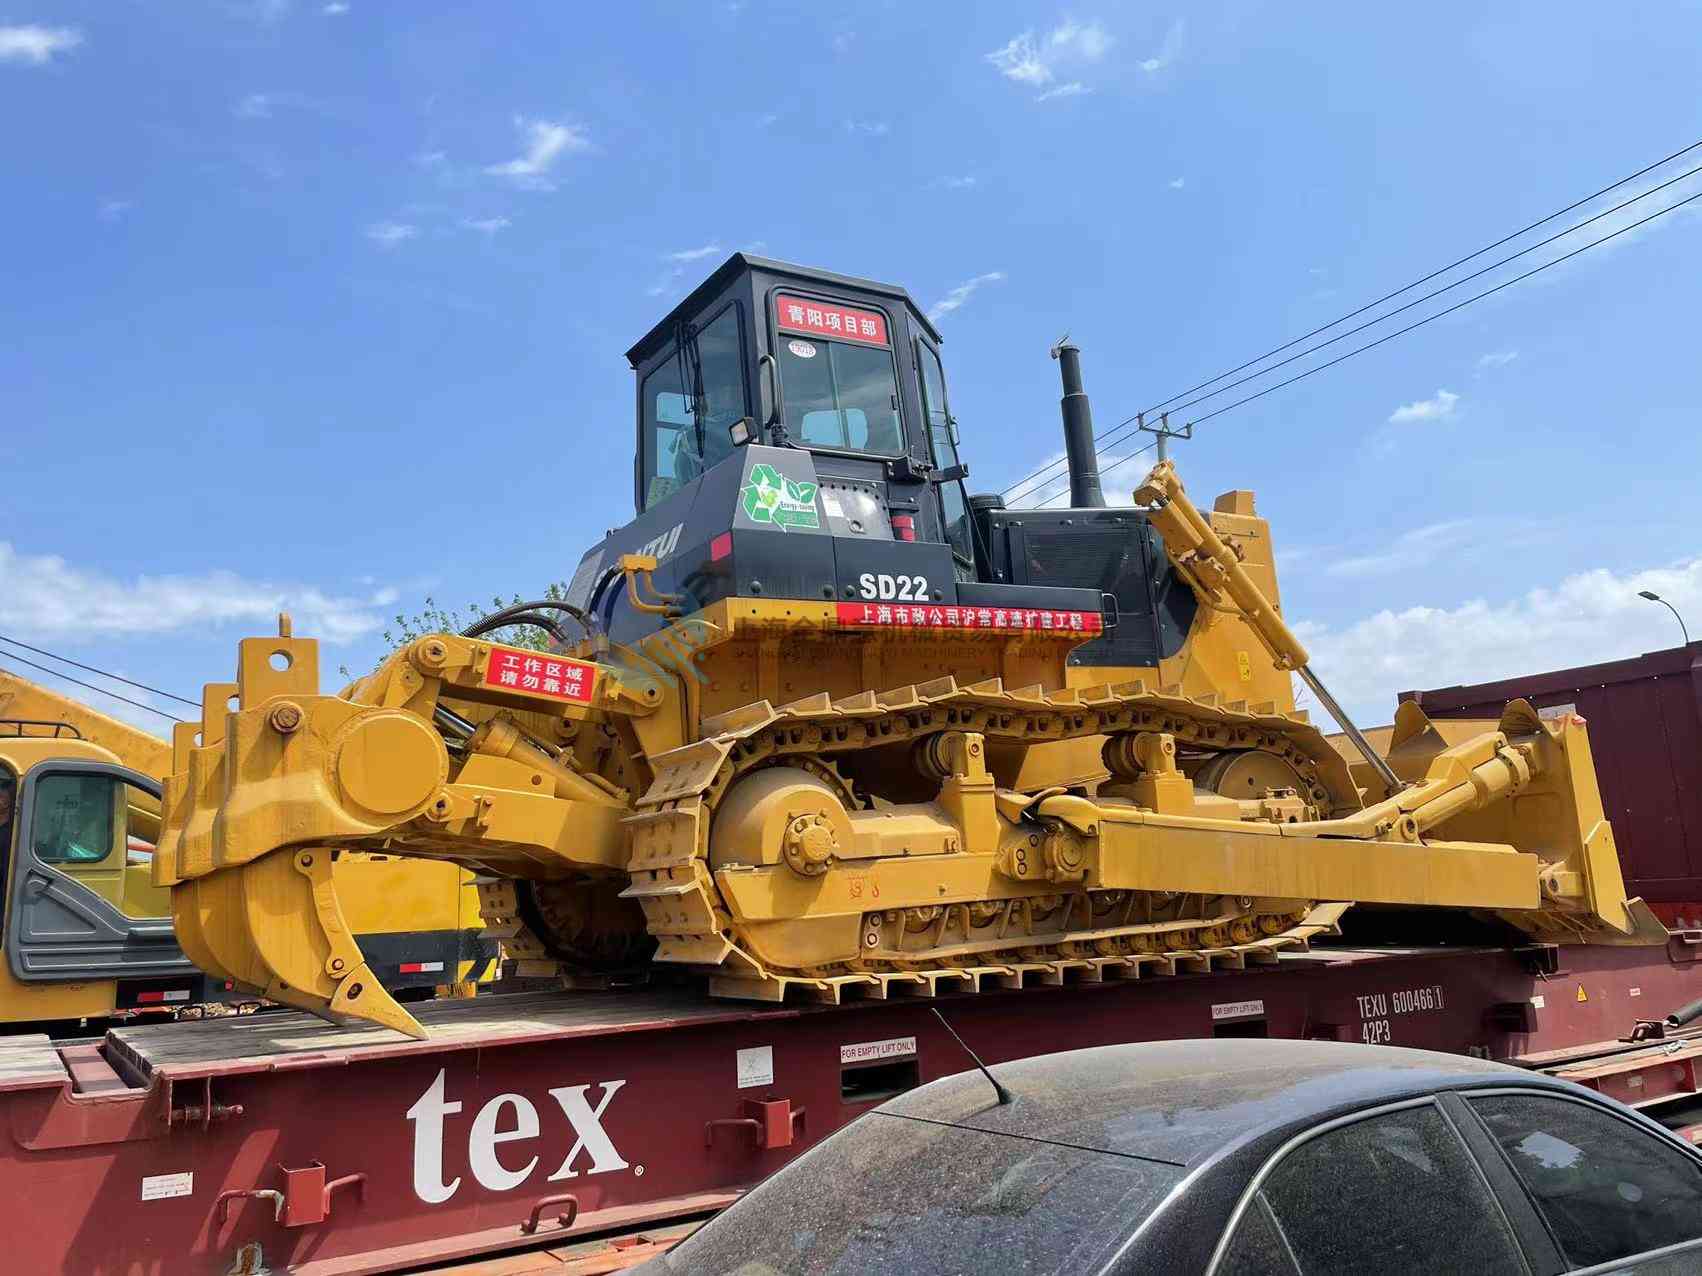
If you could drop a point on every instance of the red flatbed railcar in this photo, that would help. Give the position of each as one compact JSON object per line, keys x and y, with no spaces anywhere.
{"x":277,"y":1142}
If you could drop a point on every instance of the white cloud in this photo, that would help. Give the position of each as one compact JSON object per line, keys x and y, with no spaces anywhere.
{"x":1438,"y":409}
{"x":35,"y":45}
{"x":693,"y":254}
{"x":679,"y":262}
{"x":335,"y":9}
{"x":843,"y":40}
{"x":1075,"y":88}
{"x":543,"y":143}
{"x":1167,"y":51}
{"x":1177,"y":183}
{"x":868,"y":128}
{"x":1587,"y":618}
{"x":1035,"y":62}
{"x":487,"y":225}
{"x":432,"y":159}
{"x":1020,"y":61}
{"x":112,"y":209}
{"x":953,"y":183}
{"x":1087,"y":40}
{"x":962,"y":293}
{"x":1422,"y":546}
{"x":389,"y":234}
{"x":46,"y":597}
{"x":1498,"y":359}
{"x":256,"y":106}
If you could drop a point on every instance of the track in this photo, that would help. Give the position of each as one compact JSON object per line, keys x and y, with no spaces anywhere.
{"x":1117,"y":932}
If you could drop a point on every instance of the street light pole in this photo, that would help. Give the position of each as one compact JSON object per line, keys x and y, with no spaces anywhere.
{"x":1653,"y":597}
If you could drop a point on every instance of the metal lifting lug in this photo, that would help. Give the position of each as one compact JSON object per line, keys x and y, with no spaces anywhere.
{"x":564,"y":1220}
{"x":304,"y":1200}
{"x":772,"y":1123}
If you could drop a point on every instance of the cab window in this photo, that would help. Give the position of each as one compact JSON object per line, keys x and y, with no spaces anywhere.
{"x":688,"y":402}
{"x":940,"y":437}
{"x":73,"y":819}
{"x":840,"y":395}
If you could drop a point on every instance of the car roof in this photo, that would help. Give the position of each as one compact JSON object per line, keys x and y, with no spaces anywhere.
{"x":1184,"y":1101}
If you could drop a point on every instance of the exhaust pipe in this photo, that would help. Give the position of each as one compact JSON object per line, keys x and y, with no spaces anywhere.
{"x":1078,"y":430}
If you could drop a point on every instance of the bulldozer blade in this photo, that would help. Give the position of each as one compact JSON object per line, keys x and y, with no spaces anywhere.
{"x":297,"y":947}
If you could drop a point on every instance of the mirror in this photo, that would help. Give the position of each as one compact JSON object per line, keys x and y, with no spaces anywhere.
{"x":741,"y":431}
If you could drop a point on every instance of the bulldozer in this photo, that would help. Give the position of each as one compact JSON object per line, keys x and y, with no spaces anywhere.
{"x":818,"y":723}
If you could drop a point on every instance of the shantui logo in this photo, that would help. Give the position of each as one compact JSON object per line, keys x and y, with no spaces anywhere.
{"x":511,"y":1119}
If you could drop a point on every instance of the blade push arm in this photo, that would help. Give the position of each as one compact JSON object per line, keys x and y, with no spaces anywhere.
{"x":1213,"y":570}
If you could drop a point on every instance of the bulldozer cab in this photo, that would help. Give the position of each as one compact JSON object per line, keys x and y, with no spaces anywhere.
{"x":795,"y":441}
{"x":848,"y":369}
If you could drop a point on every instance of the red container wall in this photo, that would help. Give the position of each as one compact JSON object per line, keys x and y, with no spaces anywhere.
{"x":1645,"y":721}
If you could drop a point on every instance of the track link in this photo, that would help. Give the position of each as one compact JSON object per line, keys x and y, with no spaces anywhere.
{"x":673,"y":881}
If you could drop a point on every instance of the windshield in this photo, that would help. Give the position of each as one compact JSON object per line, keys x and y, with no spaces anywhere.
{"x":840,"y":394}
{"x":893,"y":1194}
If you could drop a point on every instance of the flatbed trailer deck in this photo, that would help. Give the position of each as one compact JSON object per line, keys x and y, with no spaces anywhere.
{"x":279,"y":1142}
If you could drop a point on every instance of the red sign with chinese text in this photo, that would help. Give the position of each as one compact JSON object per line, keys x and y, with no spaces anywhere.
{"x":536,"y":674}
{"x":831,"y":320}
{"x":1075,"y":624}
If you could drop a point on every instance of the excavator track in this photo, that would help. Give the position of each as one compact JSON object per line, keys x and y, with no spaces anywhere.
{"x":1071,"y":934}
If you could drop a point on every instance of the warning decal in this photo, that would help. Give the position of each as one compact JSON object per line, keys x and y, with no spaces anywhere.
{"x":541,"y":675}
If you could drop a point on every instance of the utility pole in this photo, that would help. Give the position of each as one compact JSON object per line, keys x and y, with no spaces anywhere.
{"x":1163,"y":432}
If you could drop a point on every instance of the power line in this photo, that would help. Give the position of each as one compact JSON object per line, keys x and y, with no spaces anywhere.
{"x":1459,"y":305}
{"x":1053,"y":465}
{"x":1506,"y":239}
{"x":129,"y":682}
{"x":1111,"y":442}
{"x":91,"y":686}
{"x":1463,"y":279}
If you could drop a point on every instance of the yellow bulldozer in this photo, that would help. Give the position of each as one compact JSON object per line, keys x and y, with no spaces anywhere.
{"x":88,"y":935}
{"x":817,"y":722}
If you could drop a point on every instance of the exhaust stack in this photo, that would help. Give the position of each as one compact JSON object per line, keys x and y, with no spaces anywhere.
{"x":1078,"y":430}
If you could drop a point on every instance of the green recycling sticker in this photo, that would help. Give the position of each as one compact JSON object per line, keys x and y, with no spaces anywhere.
{"x":770,"y":497}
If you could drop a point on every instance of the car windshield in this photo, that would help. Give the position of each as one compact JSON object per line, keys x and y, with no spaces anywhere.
{"x":893,"y":1194}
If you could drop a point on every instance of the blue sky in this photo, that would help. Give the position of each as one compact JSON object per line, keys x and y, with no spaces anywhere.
{"x":323,"y":304}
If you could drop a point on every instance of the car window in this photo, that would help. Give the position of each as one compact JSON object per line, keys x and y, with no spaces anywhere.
{"x":1606,"y":1188}
{"x":1393,"y":1193}
{"x":892,"y":1195}
{"x":1256,"y":1248}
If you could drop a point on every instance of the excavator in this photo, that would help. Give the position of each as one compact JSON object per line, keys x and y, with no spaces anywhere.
{"x":86,"y":933}
{"x":817,"y":723}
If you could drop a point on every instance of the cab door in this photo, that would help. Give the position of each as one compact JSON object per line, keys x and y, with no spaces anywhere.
{"x":77,"y":907}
